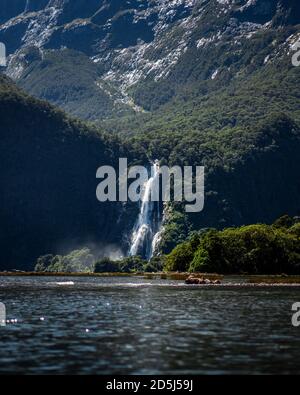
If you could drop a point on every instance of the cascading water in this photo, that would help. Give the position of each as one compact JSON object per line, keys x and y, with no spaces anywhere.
{"x":146,"y":232}
{"x":27,"y":6}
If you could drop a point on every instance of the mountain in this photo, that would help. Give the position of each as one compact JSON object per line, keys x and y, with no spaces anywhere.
{"x":105,"y":58}
{"x":49,"y":161}
{"x":188,"y":82}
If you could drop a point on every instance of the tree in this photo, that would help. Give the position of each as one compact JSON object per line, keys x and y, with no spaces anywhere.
{"x":180,"y":258}
{"x":284,"y":222}
{"x":43,"y":262}
{"x":253,"y":249}
{"x":132,"y":264}
{"x":106,"y":265}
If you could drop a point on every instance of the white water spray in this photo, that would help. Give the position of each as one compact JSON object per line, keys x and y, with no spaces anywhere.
{"x":26,"y":6}
{"x":145,"y":236}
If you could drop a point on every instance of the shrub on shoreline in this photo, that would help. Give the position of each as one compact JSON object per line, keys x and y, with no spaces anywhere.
{"x":253,"y":249}
{"x":75,"y":262}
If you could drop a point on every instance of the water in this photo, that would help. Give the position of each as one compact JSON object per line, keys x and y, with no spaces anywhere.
{"x":147,"y":229}
{"x":137,"y":326}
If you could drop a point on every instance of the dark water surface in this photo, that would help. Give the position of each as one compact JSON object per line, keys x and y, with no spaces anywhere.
{"x":138,"y":326}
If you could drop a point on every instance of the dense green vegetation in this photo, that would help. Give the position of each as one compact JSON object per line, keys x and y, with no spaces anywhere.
{"x":129,"y":265}
{"x":85,"y":261}
{"x":78,"y":261}
{"x":68,"y":78}
{"x":126,"y":265}
{"x":253,"y":249}
{"x":245,"y":170}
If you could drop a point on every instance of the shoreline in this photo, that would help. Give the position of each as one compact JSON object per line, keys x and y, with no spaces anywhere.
{"x":249,"y":279}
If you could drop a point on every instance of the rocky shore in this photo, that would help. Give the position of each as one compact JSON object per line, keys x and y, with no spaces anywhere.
{"x":192,"y":280}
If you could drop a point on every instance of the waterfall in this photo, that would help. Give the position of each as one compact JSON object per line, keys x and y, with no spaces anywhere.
{"x":27,"y":6}
{"x":146,"y":232}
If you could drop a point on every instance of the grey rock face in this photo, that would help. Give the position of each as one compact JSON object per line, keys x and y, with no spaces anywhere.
{"x":140,"y":41}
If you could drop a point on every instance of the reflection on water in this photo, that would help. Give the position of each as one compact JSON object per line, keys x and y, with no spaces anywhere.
{"x":138,"y":326}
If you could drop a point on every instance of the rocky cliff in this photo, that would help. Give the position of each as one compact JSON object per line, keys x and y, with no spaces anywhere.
{"x":128,"y":54}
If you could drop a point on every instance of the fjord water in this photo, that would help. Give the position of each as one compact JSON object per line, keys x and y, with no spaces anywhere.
{"x":130,"y":325}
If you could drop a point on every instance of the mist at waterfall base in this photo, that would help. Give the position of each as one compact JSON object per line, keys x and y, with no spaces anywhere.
{"x":145,"y":236}
{"x":99,"y":250}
